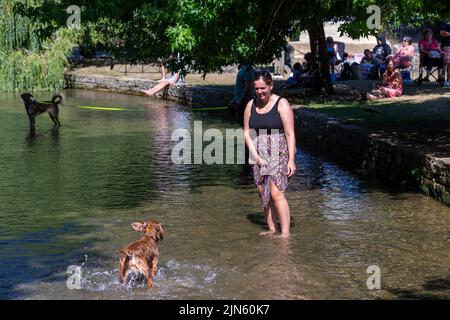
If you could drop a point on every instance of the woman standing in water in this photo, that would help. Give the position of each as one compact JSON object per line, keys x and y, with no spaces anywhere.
{"x":273,"y":150}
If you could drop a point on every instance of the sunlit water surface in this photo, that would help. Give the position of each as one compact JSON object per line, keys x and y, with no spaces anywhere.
{"x":68,"y":196}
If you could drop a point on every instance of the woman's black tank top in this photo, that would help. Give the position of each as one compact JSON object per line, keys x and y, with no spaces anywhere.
{"x":270,"y":120}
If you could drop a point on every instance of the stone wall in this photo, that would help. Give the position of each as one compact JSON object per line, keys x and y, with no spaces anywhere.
{"x":387,"y":160}
{"x":196,"y":95}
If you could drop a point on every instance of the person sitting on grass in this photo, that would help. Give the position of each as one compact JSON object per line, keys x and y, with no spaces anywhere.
{"x":175,"y":78}
{"x":309,"y":77}
{"x":391,"y":83}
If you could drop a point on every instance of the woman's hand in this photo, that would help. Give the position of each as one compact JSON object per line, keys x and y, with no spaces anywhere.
{"x":291,"y":168}
{"x":260,"y":161}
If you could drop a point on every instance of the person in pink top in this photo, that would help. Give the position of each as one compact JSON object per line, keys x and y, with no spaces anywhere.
{"x":391,"y":83}
{"x":430,"y":53}
{"x":404,"y":55}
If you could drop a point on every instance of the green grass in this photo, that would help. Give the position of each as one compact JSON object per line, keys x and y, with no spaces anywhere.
{"x":393,"y":113}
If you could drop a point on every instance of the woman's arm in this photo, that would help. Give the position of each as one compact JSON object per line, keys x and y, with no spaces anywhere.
{"x":248,"y":139}
{"x":177,"y":77}
{"x":387,"y":49}
{"x":287,"y":117}
{"x":162,"y":70}
{"x":436,"y":46}
{"x":421,"y":48}
{"x":402,"y":52}
{"x":397,"y":81}
{"x":444,"y":33}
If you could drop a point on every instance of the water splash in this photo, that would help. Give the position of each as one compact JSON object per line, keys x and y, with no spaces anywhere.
{"x":174,"y":279}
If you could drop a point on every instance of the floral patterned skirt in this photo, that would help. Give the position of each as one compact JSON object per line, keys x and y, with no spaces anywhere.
{"x":272,"y":148}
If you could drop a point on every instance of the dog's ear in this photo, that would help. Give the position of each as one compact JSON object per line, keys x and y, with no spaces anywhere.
{"x":139,"y":226}
{"x":26,"y":96}
{"x":160,"y":232}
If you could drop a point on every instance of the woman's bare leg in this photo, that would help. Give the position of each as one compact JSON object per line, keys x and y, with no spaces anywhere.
{"x":271,"y":218}
{"x":162,"y":70}
{"x":371,"y":97}
{"x":281,"y":207}
{"x":159,"y":87}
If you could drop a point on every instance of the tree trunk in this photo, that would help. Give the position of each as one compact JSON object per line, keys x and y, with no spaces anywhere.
{"x":318,"y":49}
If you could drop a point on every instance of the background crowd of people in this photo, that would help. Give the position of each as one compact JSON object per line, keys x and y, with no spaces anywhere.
{"x":373,"y":64}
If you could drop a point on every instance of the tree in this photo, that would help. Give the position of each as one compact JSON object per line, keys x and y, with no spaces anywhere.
{"x":209,"y":34}
{"x":27,"y":59}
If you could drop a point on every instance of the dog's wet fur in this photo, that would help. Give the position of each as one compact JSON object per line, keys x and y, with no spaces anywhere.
{"x":142,"y":255}
{"x":35,"y":108}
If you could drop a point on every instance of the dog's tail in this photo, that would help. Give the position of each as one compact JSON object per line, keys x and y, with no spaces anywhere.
{"x":58,"y":98}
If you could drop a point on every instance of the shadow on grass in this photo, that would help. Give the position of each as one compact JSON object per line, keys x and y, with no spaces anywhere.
{"x":395,"y":112}
{"x":415,"y":124}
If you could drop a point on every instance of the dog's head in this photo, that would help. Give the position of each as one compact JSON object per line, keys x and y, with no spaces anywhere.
{"x":27,"y":97}
{"x":152,"y":229}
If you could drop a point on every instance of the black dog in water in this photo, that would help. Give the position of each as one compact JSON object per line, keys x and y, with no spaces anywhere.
{"x":35,"y":108}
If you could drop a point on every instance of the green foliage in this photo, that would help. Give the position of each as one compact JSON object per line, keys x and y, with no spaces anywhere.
{"x":202,"y":34}
{"x":25,"y":70}
{"x":228,"y":32}
{"x":394,"y":14}
{"x":181,"y":38}
{"x":27,"y":60}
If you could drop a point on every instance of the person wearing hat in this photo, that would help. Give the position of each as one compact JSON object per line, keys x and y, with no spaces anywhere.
{"x":381,"y":51}
{"x":430,"y":53}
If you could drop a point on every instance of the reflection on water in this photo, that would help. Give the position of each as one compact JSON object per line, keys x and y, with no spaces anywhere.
{"x":68,"y":197}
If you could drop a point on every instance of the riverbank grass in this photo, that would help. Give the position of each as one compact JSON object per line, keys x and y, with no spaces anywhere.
{"x":412,"y":111}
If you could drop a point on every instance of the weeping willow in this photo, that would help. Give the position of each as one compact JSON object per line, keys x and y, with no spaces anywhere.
{"x":26,"y":61}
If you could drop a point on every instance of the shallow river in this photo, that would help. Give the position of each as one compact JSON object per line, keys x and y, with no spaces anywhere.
{"x":68,"y":196}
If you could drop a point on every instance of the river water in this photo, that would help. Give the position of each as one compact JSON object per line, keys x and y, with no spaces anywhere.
{"x":68,"y":196}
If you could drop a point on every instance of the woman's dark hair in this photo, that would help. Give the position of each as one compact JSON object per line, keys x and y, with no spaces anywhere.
{"x":264,"y":75}
{"x":389,"y":59}
{"x":426,"y":31}
{"x":309,"y":57}
{"x":297,"y":66}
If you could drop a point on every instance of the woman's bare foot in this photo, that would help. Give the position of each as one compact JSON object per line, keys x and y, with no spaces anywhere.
{"x":147,"y":92}
{"x":266,"y":233}
{"x":371,"y":97}
{"x":282,"y":236}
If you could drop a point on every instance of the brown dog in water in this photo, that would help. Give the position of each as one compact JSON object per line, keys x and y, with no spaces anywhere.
{"x":35,"y":108}
{"x":142,"y":255}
